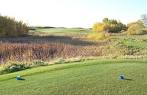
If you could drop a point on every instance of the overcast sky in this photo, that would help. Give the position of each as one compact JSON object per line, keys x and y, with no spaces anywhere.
{"x":72,"y":13}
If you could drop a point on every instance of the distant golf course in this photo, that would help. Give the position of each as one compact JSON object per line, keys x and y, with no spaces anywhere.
{"x":92,"y":77}
{"x":60,"y":31}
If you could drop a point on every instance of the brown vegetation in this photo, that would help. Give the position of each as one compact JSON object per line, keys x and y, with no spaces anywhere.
{"x":46,"y":48}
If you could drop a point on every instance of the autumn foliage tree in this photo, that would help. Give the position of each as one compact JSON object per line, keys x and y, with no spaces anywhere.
{"x":136,"y":28}
{"x":11,"y":27}
{"x":114,"y":26}
{"x":100,"y":27}
{"x":98,"y":31}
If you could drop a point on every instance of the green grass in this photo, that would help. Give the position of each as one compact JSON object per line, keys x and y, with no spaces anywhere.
{"x":62,"y":31}
{"x":132,"y":45}
{"x":94,"y":77}
{"x":137,"y":43}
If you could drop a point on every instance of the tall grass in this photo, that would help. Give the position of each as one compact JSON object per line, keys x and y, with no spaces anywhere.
{"x":45,"y":52}
{"x":54,"y":47}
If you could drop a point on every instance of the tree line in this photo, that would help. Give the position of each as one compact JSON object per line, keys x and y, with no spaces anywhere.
{"x":107,"y":26}
{"x":11,"y":27}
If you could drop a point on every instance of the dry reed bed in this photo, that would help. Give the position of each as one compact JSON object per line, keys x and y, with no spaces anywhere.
{"x":45,"y":51}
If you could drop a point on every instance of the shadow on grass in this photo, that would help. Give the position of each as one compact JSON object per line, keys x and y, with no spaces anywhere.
{"x":129,"y":79}
{"x":48,"y":39}
{"x":22,"y":80}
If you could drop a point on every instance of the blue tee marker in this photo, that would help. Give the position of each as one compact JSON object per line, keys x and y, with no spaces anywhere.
{"x":19,"y":78}
{"x":122,"y":77}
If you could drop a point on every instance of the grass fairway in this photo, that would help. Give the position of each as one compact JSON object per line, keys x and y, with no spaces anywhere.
{"x":96,"y":77}
{"x":60,"y":31}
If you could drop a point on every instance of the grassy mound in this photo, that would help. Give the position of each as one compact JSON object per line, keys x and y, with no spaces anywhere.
{"x":95,"y":77}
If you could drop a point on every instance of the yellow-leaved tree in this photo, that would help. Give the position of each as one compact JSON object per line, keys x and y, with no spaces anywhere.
{"x":136,"y":28}
{"x":98,"y":31}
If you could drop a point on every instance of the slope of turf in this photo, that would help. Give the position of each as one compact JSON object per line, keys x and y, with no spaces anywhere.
{"x":96,"y":77}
